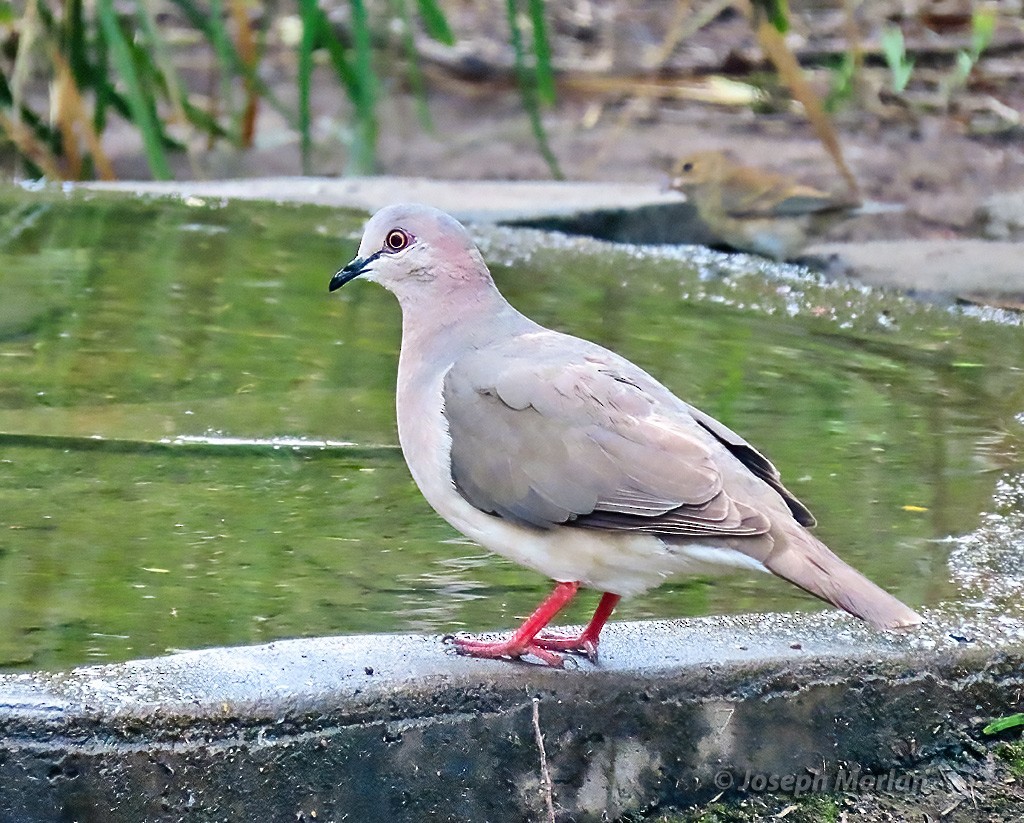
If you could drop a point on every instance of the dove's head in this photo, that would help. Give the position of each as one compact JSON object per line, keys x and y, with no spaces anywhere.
{"x":411,"y":249}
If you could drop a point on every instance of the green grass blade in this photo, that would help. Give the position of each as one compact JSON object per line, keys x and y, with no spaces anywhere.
{"x":6,"y":97}
{"x":365,"y":144}
{"x":326,"y":38}
{"x":1004,"y":723}
{"x":107,"y":97}
{"x":780,"y":16}
{"x":227,"y":58}
{"x":74,"y":47}
{"x":416,"y":82}
{"x":176,"y":90}
{"x":543,"y":74}
{"x":42,"y":131}
{"x":894,"y":50}
{"x":777,"y":12}
{"x":310,"y":15}
{"x":198,"y":18}
{"x":202,"y":120}
{"x":983,"y":28}
{"x":48,"y":21}
{"x":356,"y":75}
{"x":99,"y":74}
{"x":143,"y":114}
{"x":152,"y":80}
{"x":435,"y":22}
{"x":528,"y":91}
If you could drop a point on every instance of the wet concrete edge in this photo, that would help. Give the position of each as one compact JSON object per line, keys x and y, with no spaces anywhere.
{"x":398,"y":727}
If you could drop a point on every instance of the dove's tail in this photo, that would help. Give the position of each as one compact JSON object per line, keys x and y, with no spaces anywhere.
{"x":810,"y":564}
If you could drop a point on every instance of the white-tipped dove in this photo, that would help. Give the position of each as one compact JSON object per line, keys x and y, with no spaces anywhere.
{"x":569,"y":459}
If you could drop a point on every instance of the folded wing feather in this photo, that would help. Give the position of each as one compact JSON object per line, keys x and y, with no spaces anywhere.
{"x":543,"y":443}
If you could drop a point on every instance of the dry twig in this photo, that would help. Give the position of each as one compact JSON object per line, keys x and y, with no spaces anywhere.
{"x":545,"y":775}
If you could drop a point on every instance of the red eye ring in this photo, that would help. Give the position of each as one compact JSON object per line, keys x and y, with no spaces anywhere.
{"x":396,"y":240}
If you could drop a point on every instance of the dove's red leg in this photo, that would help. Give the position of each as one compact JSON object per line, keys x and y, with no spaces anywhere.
{"x":587,"y":640}
{"x":523,"y":640}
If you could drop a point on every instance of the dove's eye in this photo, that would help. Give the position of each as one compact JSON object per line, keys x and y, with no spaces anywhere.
{"x":687,"y":166}
{"x":396,"y":240}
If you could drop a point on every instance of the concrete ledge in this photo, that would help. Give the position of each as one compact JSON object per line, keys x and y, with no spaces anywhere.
{"x":623,"y":212}
{"x":481,"y":200}
{"x":399,"y":728}
{"x":984,"y":267}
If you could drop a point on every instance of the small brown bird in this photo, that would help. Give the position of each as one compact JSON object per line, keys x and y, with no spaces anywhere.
{"x":753,"y":210}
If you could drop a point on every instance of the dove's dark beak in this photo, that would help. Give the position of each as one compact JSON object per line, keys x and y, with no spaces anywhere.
{"x":351,"y":271}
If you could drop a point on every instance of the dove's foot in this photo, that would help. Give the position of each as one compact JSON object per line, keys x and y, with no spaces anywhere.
{"x":574,"y":644}
{"x":527,"y":640}
{"x":586,"y":641}
{"x":513,"y":648}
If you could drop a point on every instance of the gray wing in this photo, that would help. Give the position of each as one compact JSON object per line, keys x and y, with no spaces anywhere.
{"x":542,"y":441}
{"x":756,"y":462}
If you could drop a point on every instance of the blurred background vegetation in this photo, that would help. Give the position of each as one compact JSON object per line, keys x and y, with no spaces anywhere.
{"x":179,"y":69}
{"x":190,"y":76}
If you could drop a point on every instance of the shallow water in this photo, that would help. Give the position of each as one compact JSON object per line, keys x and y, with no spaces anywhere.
{"x":197,"y":442}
